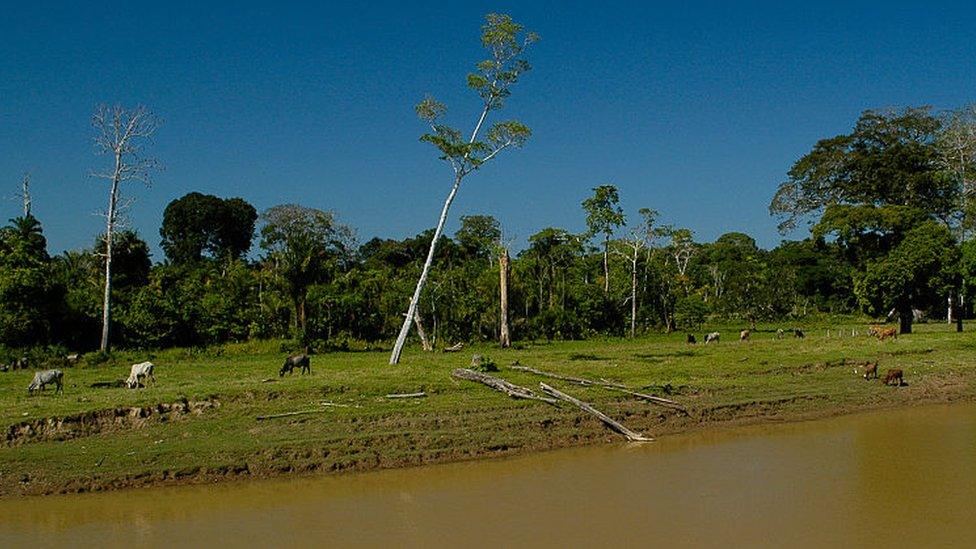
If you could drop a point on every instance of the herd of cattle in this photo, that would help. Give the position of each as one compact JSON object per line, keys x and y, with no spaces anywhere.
{"x":146,"y":370}
{"x":137,"y":373}
{"x":893,"y":376}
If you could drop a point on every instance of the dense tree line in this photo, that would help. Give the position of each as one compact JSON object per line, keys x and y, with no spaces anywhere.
{"x":889,"y":208}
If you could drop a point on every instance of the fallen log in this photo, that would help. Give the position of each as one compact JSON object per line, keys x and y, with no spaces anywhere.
{"x":616,"y":426}
{"x":288,"y":414}
{"x":499,"y":384}
{"x":606,"y":385}
{"x":407,"y":395}
{"x":578,"y":380}
{"x":454,"y":348}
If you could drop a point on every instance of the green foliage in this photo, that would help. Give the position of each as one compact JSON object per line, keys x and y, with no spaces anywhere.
{"x":506,"y":42}
{"x":690,"y":312}
{"x":479,"y":235}
{"x":891,"y":158}
{"x":922,"y":269}
{"x":304,"y":246}
{"x":200,"y":223}
{"x":603,"y":211}
{"x":28,"y":297}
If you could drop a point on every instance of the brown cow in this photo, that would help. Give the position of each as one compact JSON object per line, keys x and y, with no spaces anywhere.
{"x":893,"y":376}
{"x":871,"y":370}
{"x":886,"y":333}
{"x":744,"y":335}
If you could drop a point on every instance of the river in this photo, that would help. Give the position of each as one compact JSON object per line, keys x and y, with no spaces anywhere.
{"x":884,"y":479}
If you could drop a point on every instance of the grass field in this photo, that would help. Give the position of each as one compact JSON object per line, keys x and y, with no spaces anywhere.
{"x":103,"y":438}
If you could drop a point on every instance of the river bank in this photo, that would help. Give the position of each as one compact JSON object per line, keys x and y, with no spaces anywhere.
{"x":199,"y":424}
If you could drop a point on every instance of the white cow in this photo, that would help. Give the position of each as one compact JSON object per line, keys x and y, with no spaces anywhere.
{"x":712,"y":337}
{"x":139,"y":371}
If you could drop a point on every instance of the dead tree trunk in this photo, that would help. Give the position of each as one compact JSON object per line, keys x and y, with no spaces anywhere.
{"x":504,"y":338}
{"x":25,"y":191}
{"x":499,"y":384}
{"x":113,"y":201}
{"x":119,"y":132}
{"x":424,"y":342}
{"x":620,"y":428}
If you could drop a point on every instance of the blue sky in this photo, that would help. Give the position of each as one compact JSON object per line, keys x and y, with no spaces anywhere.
{"x":694,"y":109}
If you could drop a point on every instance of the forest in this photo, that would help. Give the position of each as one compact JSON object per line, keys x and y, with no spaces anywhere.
{"x":889,"y":208}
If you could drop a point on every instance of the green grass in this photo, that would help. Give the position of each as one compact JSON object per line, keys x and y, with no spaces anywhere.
{"x":756,"y":380}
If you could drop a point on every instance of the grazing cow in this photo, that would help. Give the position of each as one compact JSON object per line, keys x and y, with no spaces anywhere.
{"x":44,"y":378}
{"x":712,"y":337}
{"x":139,"y":371}
{"x":798,"y":333}
{"x":886,"y":333}
{"x":72,"y":359}
{"x":691,"y":339}
{"x":744,"y":335}
{"x":871,"y":370}
{"x":893,"y":377}
{"x":21,"y":363}
{"x":296,"y":361}
{"x":779,"y":333}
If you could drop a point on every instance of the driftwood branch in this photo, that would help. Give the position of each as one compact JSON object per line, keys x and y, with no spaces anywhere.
{"x":579,"y":380}
{"x":421,"y":394}
{"x":616,"y":426}
{"x":606,"y":385}
{"x":499,"y":384}
{"x":288,"y":414}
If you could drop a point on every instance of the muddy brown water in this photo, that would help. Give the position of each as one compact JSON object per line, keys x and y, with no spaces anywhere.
{"x":903,"y":478}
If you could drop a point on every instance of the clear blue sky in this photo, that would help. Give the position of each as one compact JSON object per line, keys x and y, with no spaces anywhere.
{"x":695,"y":110}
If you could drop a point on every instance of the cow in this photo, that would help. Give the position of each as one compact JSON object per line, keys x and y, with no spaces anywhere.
{"x":139,"y":371}
{"x":744,"y":335}
{"x":871,"y":370}
{"x":779,"y":333}
{"x":44,"y":378}
{"x":712,"y":337}
{"x":21,"y":363}
{"x":798,"y":333}
{"x":691,"y":339}
{"x":296,"y":361}
{"x":874,"y":329}
{"x":886,"y":333}
{"x":893,"y":377}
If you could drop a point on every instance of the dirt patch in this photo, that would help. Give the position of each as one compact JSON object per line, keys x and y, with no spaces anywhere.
{"x":99,"y":421}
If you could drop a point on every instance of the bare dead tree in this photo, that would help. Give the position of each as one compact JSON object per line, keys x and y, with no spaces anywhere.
{"x":639,"y":239}
{"x":25,"y":193}
{"x":121,"y":134}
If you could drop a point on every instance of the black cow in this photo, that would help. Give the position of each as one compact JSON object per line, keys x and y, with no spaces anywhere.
{"x":296,"y":361}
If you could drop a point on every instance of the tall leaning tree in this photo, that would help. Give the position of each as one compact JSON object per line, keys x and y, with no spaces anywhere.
{"x":506,"y":42}
{"x":122,"y":135}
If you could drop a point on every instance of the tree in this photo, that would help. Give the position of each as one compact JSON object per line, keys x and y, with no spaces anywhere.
{"x":957,"y":148}
{"x":196,"y":223}
{"x":603,"y":216}
{"x":921,"y":269}
{"x":305,"y":246}
{"x":872,"y":186}
{"x":28,"y":299}
{"x":639,"y":240}
{"x":121,"y":134}
{"x":506,"y":42}
{"x":479,"y":235}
